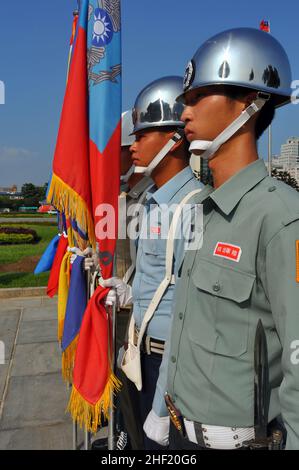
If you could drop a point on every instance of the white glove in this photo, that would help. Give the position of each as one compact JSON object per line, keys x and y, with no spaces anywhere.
{"x":92,"y":263}
{"x":123,"y":290}
{"x":76,"y":252}
{"x":111,"y":298}
{"x":156,"y":428}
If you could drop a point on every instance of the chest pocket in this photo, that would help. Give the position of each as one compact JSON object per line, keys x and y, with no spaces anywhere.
{"x":224,"y":296}
{"x":154,"y":247}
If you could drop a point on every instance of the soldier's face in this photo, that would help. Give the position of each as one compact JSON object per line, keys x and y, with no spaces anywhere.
{"x":208,"y":112}
{"x":125,"y":160}
{"x":147,"y":145}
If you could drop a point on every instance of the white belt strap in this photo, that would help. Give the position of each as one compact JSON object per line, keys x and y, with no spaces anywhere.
{"x":219,"y":437}
{"x":168,"y":274}
{"x":133,"y":250}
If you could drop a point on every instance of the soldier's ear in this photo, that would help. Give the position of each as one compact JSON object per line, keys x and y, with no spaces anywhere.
{"x":177,"y":145}
{"x":248,"y":99}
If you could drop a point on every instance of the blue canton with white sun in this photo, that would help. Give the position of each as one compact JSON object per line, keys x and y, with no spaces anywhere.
{"x":103,"y":29}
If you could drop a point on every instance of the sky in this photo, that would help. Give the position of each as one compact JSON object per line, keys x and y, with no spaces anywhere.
{"x":159,"y":37}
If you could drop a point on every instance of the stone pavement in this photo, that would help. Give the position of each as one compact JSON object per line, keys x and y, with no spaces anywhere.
{"x":33,"y":396}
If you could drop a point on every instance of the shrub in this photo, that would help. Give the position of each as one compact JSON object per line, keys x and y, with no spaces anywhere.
{"x":17,"y":235}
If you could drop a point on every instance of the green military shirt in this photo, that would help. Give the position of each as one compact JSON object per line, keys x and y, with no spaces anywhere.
{"x":247,"y":269}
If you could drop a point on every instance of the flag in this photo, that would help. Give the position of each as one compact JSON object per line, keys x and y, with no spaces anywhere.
{"x":74,"y":29}
{"x":88,"y":382}
{"x":265,"y":26}
{"x":54,"y":274}
{"x":76,"y":305}
{"x":85,"y":187}
{"x":46,"y":261}
{"x":63,"y":290}
{"x":69,"y":189}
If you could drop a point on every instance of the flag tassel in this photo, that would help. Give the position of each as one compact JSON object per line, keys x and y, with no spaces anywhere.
{"x":89,"y":415}
{"x":68,"y":201}
{"x":68,"y":361}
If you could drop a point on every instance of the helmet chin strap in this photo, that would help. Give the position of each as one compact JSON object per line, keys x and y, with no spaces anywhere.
{"x":199,"y":145}
{"x":147,"y":170}
{"x":125,"y":178}
{"x":210,"y":148}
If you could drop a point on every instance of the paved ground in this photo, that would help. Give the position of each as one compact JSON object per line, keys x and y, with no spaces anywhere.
{"x":33,"y":396}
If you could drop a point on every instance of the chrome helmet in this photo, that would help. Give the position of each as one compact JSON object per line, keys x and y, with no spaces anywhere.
{"x":127,"y":139}
{"x":156,"y":105}
{"x":244,"y":57}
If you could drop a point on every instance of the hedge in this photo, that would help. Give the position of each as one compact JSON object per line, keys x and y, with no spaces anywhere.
{"x":17,"y":235}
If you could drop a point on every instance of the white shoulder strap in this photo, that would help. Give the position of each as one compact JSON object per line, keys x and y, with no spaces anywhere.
{"x":168,"y":274}
{"x":133,"y":250}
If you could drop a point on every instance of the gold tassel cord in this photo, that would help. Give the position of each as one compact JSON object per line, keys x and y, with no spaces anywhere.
{"x":90,"y":416}
{"x":66,"y":200}
{"x":63,"y":288}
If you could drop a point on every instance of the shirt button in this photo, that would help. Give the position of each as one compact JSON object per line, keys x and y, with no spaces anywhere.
{"x":188,"y":272}
{"x":216,"y":287}
{"x":173,"y":359}
{"x":181,"y":316}
{"x":272,"y":188}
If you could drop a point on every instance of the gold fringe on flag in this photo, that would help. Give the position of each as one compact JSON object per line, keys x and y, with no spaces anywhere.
{"x":68,"y":360}
{"x":66,"y":200}
{"x":90,"y":416}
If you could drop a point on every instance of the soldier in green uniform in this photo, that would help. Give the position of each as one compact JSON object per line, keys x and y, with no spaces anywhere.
{"x":247,"y":268}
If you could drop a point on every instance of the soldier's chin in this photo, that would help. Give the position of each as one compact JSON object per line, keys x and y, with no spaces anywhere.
{"x":198,"y":152}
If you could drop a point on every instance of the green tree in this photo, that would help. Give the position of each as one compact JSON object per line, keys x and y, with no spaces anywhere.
{"x":32,"y":194}
{"x":286,"y":178}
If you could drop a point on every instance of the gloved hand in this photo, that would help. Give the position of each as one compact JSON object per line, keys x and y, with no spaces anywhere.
{"x":91,"y":263}
{"x":111,"y":298}
{"x":123,"y":291}
{"x":76,"y":252}
{"x":157,"y":428}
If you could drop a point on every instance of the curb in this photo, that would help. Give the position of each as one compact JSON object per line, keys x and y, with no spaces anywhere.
{"x":22,"y":292}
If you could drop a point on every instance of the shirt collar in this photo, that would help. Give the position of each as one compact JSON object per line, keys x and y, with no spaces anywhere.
{"x":166,"y":193}
{"x":227,"y":196}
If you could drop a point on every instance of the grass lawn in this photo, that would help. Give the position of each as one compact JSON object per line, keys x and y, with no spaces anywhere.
{"x":16,"y":253}
{"x":21,"y":215}
{"x":9,"y":280}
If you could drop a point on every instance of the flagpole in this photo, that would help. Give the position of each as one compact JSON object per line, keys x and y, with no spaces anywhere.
{"x":265,"y":26}
{"x":87,"y":434}
{"x":111,"y":421}
{"x":270,"y":150}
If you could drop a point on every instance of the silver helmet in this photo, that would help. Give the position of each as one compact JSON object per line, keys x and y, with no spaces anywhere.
{"x":244,"y":57}
{"x":156,"y":105}
{"x":127,"y":139}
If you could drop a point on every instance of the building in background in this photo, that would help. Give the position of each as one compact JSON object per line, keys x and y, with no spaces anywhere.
{"x":289,"y":154}
{"x":9,"y":191}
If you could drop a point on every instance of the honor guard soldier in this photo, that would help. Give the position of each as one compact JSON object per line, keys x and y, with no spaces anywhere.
{"x":233,"y":368}
{"x":160,"y":151}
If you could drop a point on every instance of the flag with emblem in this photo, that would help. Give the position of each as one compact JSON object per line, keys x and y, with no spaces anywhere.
{"x":85,"y":187}
{"x":265,"y":26}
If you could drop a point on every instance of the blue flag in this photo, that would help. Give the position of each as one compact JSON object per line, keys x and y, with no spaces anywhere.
{"x":46,"y":261}
{"x":76,"y":306}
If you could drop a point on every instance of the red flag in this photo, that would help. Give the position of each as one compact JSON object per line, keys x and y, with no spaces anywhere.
{"x":265,"y":26}
{"x":54,"y":274}
{"x":85,"y":186}
{"x":88,"y":383}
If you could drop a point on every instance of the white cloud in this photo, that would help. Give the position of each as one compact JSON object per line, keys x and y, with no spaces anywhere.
{"x":20,"y":165}
{"x":15,"y":152}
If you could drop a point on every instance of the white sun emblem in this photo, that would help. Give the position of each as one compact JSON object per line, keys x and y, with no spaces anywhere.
{"x":101,"y":29}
